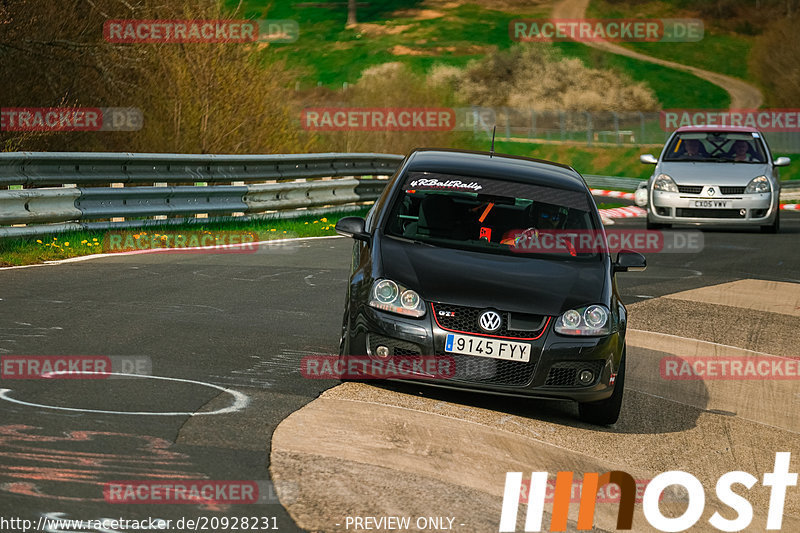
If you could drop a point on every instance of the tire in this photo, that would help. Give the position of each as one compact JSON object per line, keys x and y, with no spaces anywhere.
{"x":606,"y":412}
{"x":775,"y":227}
{"x":656,"y":225}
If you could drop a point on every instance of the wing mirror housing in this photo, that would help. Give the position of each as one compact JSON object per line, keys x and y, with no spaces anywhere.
{"x":354,"y":227}
{"x":782,"y":162}
{"x":648,"y":159}
{"x":628,"y":261}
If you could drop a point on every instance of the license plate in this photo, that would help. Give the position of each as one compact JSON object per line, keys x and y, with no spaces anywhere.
{"x":482,"y":347}
{"x":712,"y":204}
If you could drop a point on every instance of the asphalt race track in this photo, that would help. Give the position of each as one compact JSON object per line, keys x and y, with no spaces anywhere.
{"x":229,"y":330}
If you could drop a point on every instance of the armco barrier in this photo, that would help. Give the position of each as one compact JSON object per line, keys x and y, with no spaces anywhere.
{"x":177,"y":185}
{"x":38,"y":205}
{"x":39,"y":169}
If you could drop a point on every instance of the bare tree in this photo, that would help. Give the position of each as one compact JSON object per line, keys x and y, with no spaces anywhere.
{"x":351,"y":12}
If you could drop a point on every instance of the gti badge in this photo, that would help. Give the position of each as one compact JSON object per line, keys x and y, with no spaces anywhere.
{"x":489,"y":321}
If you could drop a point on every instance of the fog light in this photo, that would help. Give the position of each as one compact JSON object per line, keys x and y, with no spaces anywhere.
{"x":586,"y":377}
{"x":382,"y":351}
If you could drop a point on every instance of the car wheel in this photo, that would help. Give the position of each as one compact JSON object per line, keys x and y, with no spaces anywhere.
{"x":775,"y":227}
{"x":606,"y":412}
{"x":655,"y":225}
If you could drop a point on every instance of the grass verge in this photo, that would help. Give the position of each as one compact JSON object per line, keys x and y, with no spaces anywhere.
{"x":32,"y":250}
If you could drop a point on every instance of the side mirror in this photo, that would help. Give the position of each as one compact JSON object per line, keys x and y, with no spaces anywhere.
{"x":648,"y":159}
{"x":352,"y":227}
{"x":628,"y":261}
{"x":781,"y":162}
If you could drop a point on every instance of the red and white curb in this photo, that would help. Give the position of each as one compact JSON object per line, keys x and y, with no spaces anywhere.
{"x":791,"y":207}
{"x":607,"y":215}
{"x":613,"y":194}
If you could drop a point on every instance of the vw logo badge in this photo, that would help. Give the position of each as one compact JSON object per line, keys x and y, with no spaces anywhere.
{"x":490,"y":321}
{"x":711,"y":191}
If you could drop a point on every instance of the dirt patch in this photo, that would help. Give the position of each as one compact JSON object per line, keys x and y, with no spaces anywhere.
{"x":374,"y":30}
{"x":418,"y":14}
{"x":511,"y":6}
{"x":474,"y":49}
{"x":400,"y":50}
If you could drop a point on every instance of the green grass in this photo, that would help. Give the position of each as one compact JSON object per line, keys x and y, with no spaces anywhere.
{"x":31,"y":250}
{"x":329,"y":54}
{"x":718,"y":51}
{"x":673,"y":88}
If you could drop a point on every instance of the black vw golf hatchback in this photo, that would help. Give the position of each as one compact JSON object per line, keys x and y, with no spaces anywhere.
{"x":499,"y":264}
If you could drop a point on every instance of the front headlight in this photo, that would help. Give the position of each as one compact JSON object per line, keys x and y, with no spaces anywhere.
{"x":757,"y":185}
{"x":387,"y":295}
{"x":591,"y":320}
{"x":664,"y":183}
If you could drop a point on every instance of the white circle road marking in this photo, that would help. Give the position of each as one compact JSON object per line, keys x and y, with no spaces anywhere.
{"x":240,"y":400}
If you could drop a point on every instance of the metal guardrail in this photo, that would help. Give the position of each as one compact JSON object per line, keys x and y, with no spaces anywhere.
{"x":177,"y":186}
{"x":160,"y":187}
{"x":38,"y":169}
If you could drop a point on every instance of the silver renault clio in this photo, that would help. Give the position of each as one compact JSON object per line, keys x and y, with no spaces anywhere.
{"x":713,"y":176}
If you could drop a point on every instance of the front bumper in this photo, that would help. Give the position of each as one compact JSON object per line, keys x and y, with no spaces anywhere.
{"x":555,"y":361}
{"x":739,"y":209}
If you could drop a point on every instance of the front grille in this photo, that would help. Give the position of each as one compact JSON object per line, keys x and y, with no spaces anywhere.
{"x":465,"y":319}
{"x":690,"y":189}
{"x":708,"y":213}
{"x":732,"y":190}
{"x":565,"y":373}
{"x":396,"y":346}
{"x":488,"y":371}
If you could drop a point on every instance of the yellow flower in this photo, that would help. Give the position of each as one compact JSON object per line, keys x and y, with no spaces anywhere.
{"x":306,"y":223}
{"x":273,"y":229}
{"x":95,"y":239}
{"x":316,"y":221}
{"x":324,"y":219}
{"x":39,"y":241}
{"x":66,"y":243}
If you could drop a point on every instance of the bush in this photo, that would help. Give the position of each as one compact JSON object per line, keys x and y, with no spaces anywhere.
{"x":539,"y":78}
{"x":195,"y":98}
{"x":390,"y":85}
{"x":775,"y":60}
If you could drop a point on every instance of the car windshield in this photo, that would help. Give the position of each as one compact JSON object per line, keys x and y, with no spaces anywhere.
{"x":494,"y":216}
{"x":716,"y":147}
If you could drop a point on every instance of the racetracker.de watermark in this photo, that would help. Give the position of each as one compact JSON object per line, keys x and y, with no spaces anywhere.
{"x":397,"y":118}
{"x":70,"y":119}
{"x":610,"y":240}
{"x":73,"y":366}
{"x":366,"y":367}
{"x":202,"y":491}
{"x":612,"y":30}
{"x":729,"y":368}
{"x":770,"y":120}
{"x":232,"y":242}
{"x":200,"y":31}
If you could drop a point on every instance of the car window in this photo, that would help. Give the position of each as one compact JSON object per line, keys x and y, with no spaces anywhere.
{"x":488,"y":215}
{"x":715,"y":147}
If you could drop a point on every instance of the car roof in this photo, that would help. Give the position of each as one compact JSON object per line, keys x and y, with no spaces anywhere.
{"x":717,"y":128}
{"x":500,"y":166}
